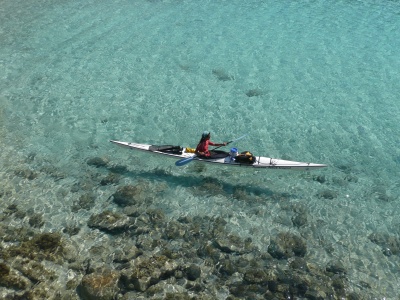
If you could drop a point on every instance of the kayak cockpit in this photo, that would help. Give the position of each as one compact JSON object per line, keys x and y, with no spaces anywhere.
{"x":215,"y":154}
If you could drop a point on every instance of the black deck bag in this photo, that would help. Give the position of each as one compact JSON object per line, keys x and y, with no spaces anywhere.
{"x":246,"y":157}
{"x":167,"y":149}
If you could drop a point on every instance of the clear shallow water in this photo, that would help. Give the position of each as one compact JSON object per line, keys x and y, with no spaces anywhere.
{"x":74,"y":75}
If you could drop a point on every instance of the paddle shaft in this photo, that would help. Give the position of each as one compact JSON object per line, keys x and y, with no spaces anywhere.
{"x":230,"y":142}
{"x":222,"y":145}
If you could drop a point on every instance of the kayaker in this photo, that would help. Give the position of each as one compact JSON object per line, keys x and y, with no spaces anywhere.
{"x":202,"y":147}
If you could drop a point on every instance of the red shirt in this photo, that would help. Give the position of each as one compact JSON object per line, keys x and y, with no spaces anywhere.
{"x":203,"y":147}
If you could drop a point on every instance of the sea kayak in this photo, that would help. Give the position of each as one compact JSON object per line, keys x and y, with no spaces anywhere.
{"x":222,"y":157}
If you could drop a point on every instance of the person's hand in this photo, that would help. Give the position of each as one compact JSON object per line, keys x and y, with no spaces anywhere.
{"x":225,"y":143}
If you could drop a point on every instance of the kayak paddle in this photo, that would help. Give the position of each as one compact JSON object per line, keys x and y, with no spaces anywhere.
{"x":185,"y":161}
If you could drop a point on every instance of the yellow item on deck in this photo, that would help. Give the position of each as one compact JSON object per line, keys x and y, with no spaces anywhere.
{"x":190,"y":150}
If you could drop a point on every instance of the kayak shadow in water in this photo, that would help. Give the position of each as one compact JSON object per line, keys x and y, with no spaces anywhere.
{"x":206,"y":185}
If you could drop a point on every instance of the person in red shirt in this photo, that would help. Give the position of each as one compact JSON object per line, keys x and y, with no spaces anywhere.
{"x":202,"y":147}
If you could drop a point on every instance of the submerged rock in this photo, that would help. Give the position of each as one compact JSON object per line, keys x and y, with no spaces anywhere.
{"x":232,"y":244}
{"x":42,"y":290}
{"x":315,"y":294}
{"x":150,"y":241}
{"x":48,"y":241}
{"x":132,"y":211}
{"x":111,"y":178}
{"x":109,"y":221}
{"x":36,"y":220}
{"x":299,"y":220}
{"x":192,"y":272}
{"x":254,"y":93}
{"x":148,"y":271}
{"x":97,"y":162}
{"x":131,"y":195}
{"x":243,"y":290}
{"x":319,"y":178}
{"x":298,"y":263}
{"x":351,"y":178}
{"x":227,"y":267}
{"x":27,"y":174}
{"x":128,"y":253}
{"x":208,"y":251}
{"x":42,"y":246}
{"x":336,"y":268}
{"x":174,"y":230}
{"x":222,"y":75}
{"x":99,"y":286}
{"x":20,"y":214}
{"x":258,"y":276}
{"x":86,"y":201}
{"x":157,"y":216}
{"x":11,"y":209}
{"x":287,"y":245}
{"x":327,"y":194}
{"x":12,"y":279}
{"x":14,"y":234}
{"x":171,"y":292}
{"x":390,"y":244}
{"x":4,"y":270}
{"x":34,"y":270}
{"x":118,"y":169}
{"x":209,"y":186}
{"x":71,"y":230}
{"x":53,"y":172}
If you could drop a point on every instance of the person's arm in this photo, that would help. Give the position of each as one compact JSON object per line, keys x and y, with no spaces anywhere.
{"x":216,"y":144}
{"x":197,"y":152}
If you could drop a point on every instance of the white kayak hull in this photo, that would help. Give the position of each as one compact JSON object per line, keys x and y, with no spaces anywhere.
{"x":259,"y":163}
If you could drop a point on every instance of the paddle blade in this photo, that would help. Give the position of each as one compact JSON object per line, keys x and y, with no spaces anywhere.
{"x":184,"y":161}
{"x":239,"y":138}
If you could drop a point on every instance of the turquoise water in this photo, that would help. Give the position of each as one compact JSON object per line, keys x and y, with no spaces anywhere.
{"x":75,"y":74}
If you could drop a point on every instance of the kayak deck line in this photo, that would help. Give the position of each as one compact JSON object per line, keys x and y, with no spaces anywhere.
{"x":221,"y":157}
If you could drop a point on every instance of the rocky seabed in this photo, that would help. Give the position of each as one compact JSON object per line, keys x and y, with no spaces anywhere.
{"x":136,"y":251}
